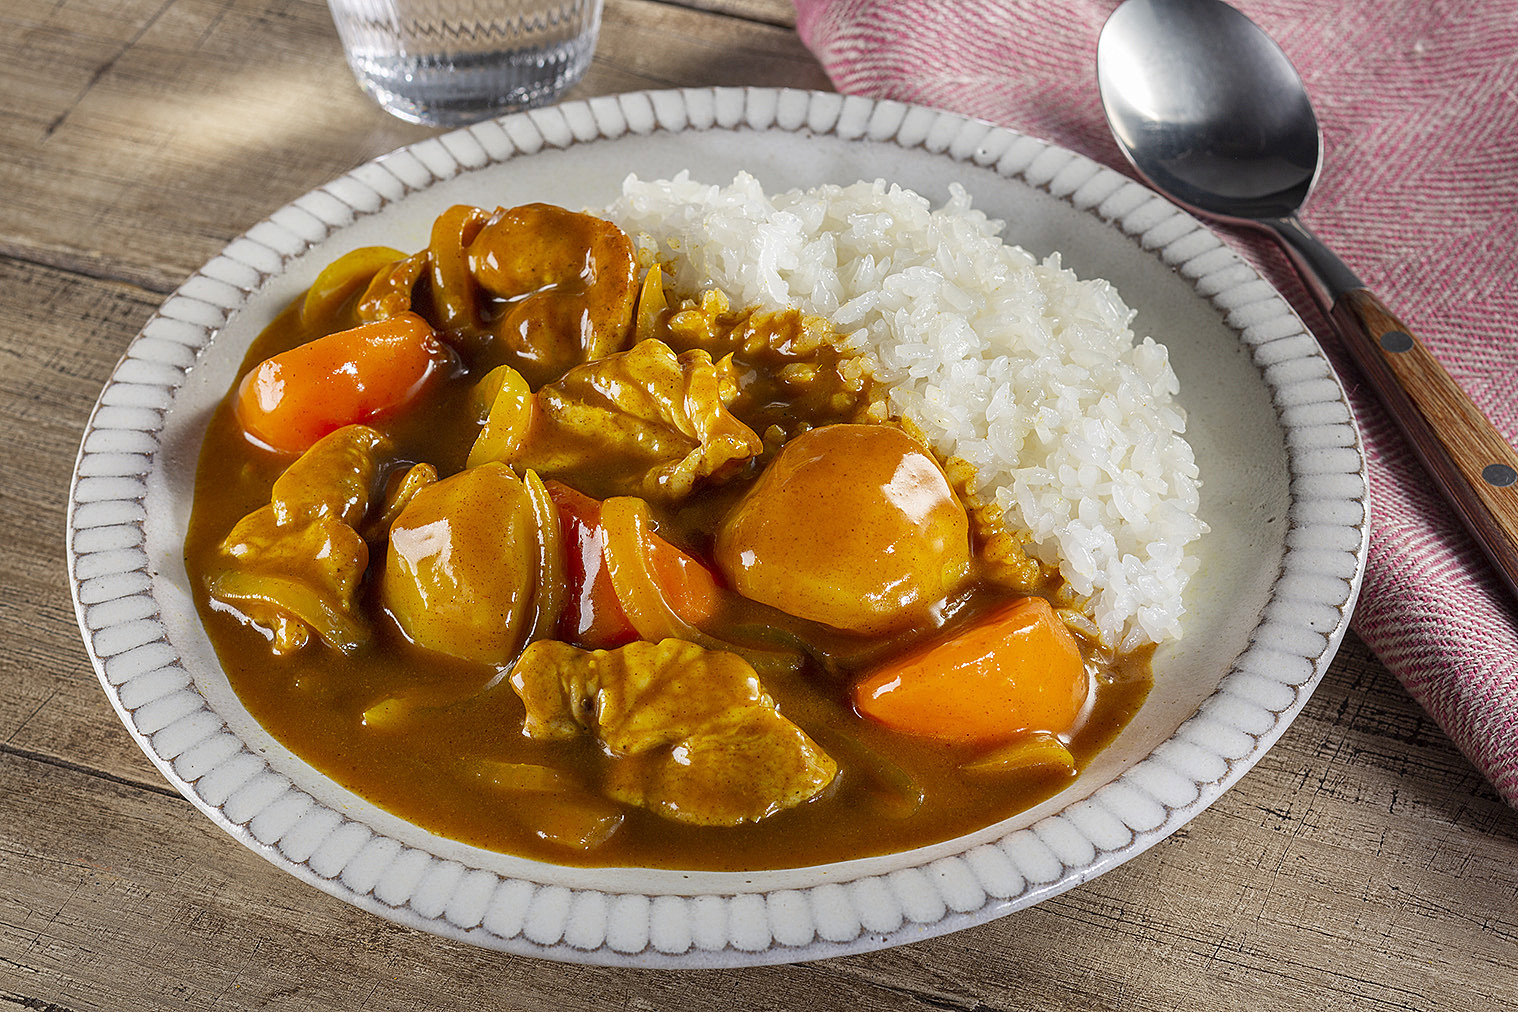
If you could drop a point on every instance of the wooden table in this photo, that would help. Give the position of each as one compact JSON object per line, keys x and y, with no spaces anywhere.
{"x":1363,"y":864}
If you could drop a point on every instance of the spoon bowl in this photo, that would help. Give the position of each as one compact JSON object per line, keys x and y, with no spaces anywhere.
{"x":1225,"y":128}
{"x":1210,"y":111}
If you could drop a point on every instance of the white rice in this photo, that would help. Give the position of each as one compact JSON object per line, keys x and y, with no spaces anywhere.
{"x":1028,"y":373}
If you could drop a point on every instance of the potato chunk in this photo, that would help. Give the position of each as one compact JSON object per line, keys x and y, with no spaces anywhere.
{"x":463,"y":563}
{"x":693,"y":735}
{"x":854,"y":526}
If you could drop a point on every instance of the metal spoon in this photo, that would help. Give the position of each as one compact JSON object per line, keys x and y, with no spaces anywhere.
{"x":1210,"y":111}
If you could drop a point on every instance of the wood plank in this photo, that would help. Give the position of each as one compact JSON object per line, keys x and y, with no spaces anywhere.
{"x":770,"y":12}
{"x":170,"y":133}
{"x":651,"y":45}
{"x":186,"y":130}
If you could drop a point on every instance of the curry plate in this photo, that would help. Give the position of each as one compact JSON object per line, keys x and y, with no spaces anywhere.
{"x":1284,"y":491}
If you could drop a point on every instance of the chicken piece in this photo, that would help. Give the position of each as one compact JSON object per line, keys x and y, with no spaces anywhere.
{"x":786,"y":366}
{"x":692,"y":734}
{"x":643,"y":422}
{"x":295,"y":565}
{"x":475,"y":564}
{"x":569,"y":281}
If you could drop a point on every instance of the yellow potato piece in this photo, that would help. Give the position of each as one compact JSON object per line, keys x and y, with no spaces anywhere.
{"x":854,"y":526}
{"x":462,"y":565}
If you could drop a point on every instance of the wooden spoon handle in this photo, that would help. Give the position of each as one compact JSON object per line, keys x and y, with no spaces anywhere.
{"x":1470,"y":461}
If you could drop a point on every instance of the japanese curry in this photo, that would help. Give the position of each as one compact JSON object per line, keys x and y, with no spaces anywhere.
{"x":539,"y":555}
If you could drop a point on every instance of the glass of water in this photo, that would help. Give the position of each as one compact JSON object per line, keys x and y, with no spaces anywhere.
{"x":452,"y":62}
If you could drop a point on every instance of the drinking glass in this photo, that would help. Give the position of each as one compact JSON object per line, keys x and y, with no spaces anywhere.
{"x":452,"y":62}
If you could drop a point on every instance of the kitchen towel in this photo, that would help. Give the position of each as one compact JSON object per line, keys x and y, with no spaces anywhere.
{"x":1418,"y":103}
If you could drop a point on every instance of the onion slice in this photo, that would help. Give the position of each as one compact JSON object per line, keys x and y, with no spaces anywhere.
{"x":628,"y":527}
{"x":551,"y":594}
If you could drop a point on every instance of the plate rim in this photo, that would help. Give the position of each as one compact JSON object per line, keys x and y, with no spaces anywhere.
{"x":111,"y":583}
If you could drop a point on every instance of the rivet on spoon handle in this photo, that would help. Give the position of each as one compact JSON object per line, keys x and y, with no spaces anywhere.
{"x":1475,"y":467}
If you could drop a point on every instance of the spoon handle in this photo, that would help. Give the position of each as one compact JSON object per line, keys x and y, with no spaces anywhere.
{"x":1473,"y":465}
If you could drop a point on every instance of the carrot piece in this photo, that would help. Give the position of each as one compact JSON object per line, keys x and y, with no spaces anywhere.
{"x":688,"y":586}
{"x":595,"y":616}
{"x":592,"y":616}
{"x":291,"y":400}
{"x":1013,"y":670}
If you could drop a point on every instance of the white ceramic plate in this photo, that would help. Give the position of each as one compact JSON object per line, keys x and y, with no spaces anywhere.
{"x":1283,"y":489}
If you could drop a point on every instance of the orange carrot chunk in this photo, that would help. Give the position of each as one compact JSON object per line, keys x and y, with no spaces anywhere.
{"x":595,"y":616}
{"x":1013,"y":670}
{"x":688,"y":586}
{"x":290,"y":401}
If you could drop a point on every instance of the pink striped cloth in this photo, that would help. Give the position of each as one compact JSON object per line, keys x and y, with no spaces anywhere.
{"x":1419,"y":107}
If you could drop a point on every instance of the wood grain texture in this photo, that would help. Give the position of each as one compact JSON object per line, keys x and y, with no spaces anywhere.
{"x":1362,"y":864}
{"x":1450,"y":435}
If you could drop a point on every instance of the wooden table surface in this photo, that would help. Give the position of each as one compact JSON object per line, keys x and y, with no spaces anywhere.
{"x":1363,"y":864}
